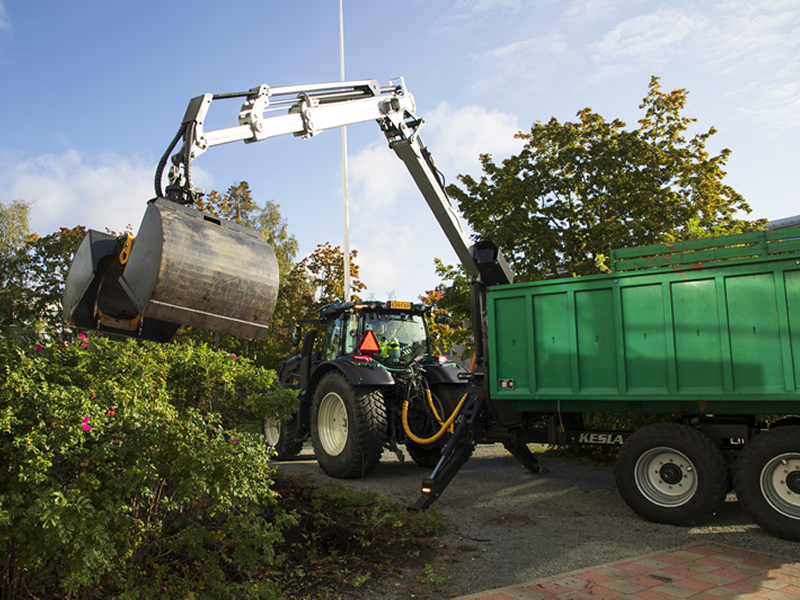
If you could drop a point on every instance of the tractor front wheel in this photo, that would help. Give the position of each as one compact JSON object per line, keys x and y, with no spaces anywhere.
{"x":423,"y":423}
{"x":283,"y":436}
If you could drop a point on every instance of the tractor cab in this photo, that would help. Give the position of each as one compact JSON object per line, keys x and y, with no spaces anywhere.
{"x":392,"y":333}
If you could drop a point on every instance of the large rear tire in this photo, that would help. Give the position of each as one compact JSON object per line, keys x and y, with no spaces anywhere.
{"x":423,"y":424}
{"x":672,"y":473}
{"x":283,"y":436}
{"x":767,"y":481}
{"x":348,"y":427}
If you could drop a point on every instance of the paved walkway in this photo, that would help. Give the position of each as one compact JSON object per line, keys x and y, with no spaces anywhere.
{"x":699,"y":572}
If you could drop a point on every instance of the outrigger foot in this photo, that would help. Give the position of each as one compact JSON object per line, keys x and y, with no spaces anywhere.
{"x":524,"y":455}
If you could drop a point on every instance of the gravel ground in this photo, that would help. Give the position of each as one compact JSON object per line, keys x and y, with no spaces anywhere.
{"x":509,"y":526}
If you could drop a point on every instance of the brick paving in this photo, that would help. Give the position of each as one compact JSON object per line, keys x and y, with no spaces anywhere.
{"x":698,"y":572}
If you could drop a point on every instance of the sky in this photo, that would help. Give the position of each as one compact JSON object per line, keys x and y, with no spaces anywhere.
{"x":92,"y":93}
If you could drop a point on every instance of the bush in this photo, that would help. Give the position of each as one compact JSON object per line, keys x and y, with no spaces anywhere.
{"x":120,"y":472}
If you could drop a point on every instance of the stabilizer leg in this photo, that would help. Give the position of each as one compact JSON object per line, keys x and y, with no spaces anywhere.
{"x":528,"y":459}
{"x":454,"y":454}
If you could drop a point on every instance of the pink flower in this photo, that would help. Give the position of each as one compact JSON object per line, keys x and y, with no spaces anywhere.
{"x":38,"y":348}
{"x":82,"y":336}
{"x":233,"y":442}
{"x":86,"y":426}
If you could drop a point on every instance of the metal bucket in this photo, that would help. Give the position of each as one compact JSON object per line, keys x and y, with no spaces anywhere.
{"x":93,"y":298}
{"x":190,"y":268}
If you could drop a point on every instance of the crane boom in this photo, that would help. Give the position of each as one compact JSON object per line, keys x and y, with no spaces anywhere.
{"x":306,"y":110}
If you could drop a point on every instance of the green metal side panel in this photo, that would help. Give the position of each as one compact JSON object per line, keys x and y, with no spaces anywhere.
{"x":723,"y":339}
{"x":551,"y":343}
{"x":597,"y":362}
{"x":644,"y":339}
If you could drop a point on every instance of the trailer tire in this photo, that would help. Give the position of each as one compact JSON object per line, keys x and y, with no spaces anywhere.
{"x":767,"y":481}
{"x":445,"y":399}
{"x":348,"y":427}
{"x":283,"y":436}
{"x":672,"y":473}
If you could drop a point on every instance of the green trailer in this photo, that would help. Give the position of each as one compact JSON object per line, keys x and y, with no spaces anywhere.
{"x":707,"y":331}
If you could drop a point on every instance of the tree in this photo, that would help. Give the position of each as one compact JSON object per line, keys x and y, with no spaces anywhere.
{"x":32,"y":268}
{"x":451,"y":307}
{"x":13,"y":226}
{"x":326,"y":268}
{"x":578,"y":190}
{"x":235,"y":205}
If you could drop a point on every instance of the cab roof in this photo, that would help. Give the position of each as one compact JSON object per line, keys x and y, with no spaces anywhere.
{"x":335,"y":309}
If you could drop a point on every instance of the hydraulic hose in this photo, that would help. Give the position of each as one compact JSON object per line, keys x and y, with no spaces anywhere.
{"x":445,"y":425}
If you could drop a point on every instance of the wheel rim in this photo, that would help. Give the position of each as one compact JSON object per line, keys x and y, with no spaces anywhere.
{"x":272,"y":431}
{"x":666,"y":477}
{"x":332,"y":424}
{"x":780,"y":484}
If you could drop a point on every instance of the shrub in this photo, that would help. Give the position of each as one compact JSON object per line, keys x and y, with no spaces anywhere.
{"x":117,"y":475}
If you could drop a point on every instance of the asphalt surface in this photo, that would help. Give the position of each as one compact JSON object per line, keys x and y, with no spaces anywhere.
{"x":509,"y":526}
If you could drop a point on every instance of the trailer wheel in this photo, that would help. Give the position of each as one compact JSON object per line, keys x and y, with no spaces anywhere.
{"x":283,"y":436}
{"x":767,"y":481}
{"x":672,"y":473}
{"x":423,"y":424}
{"x":348,"y":427}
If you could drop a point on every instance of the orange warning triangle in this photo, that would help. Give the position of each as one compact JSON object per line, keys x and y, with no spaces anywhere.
{"x":369,"y":343}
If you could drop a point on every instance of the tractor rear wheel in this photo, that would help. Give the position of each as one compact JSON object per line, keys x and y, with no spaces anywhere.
{"x":348,"y":426}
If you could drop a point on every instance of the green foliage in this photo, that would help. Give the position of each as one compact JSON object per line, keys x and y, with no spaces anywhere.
{"x":325,"y":267}
{"x":32,"y":268}
{"x":118,"y":476}
{"x":451,"y":307}
{"x":13,"y":225}
{"x":578,"y":190}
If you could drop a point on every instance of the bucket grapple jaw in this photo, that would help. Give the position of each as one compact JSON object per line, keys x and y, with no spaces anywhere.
{"x":184,"y":267}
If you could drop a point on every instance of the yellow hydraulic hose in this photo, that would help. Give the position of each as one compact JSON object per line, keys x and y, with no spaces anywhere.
{"x":445,"y":425}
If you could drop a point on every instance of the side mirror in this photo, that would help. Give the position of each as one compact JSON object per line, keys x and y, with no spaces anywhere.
{"x":297,"y":335}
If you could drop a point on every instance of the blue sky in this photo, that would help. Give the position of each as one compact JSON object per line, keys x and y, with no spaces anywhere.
{"x":92,"y":92}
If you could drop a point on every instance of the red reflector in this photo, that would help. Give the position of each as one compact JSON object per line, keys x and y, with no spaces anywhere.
{"x":441,"y":359}
{"x":369,"y":343}
{"x":359,"y":358}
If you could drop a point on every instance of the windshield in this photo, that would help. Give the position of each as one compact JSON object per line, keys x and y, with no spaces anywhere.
{"x":401,"y":337}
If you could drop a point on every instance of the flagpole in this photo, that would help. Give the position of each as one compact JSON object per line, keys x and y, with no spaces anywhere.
{"x":346,"y":251}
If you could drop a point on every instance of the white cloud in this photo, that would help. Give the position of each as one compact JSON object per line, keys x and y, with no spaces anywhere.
{"x":4,"y":24}
{"x":99,"y":192}
{"x":646,"y":38}
{"x":533,"y":58}
{"x":483,"y":7}
{"x":585,"y":12}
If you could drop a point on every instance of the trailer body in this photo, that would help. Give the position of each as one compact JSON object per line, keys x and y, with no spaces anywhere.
{"x":703,"y":330}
